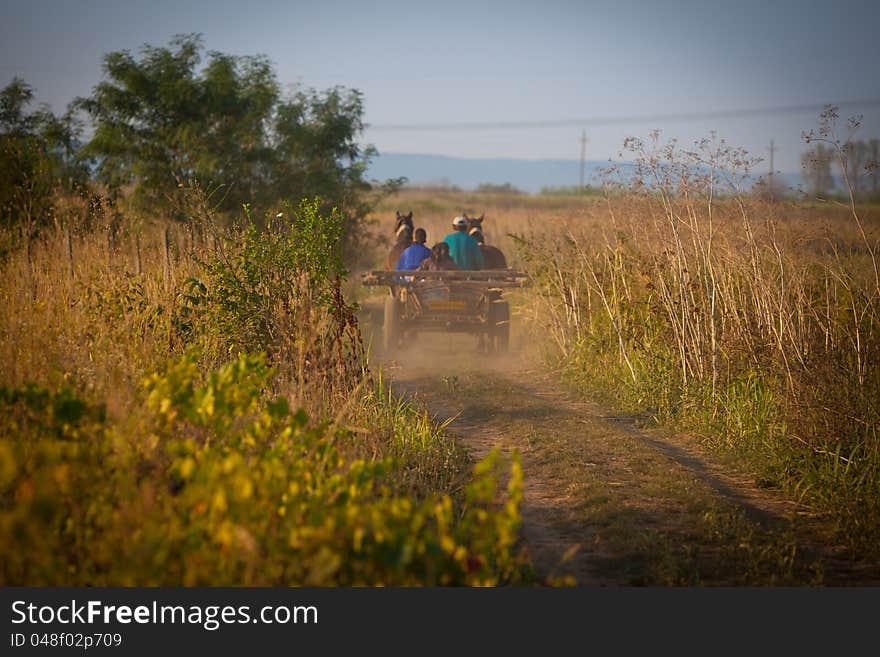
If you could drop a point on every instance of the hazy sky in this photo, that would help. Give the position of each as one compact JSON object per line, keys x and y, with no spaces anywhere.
{"x":475,"y":61}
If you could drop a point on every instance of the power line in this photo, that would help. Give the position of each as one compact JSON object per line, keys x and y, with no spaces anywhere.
{"x":617,"y":120}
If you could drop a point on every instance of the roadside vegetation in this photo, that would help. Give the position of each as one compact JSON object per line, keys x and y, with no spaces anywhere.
{"x":209,"y":421}
{"x":751,"y":323}
{"x":184,"y":391}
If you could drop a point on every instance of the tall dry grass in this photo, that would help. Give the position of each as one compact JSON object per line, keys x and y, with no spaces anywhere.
{"x":755,"y":322}
{"x":187,"y":404}
{"x":505,"y":215}
{"x":103,"y":300}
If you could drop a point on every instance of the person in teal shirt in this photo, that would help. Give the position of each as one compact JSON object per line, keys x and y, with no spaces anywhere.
{"x":462,"y":247}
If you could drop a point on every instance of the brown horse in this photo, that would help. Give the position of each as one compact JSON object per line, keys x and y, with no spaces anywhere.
{"x":403,"y":231}
{"x":475,"y":222}
{"x":404,"y":220}
{"x":493,"y":258}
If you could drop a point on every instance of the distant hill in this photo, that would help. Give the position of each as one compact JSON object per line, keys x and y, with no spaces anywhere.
{"x":527,"y":175}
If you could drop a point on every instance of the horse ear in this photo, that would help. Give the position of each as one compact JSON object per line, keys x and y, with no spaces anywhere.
{"x":397,"y":212}
{"x":482,"y":215}
{"x":409,"y":216}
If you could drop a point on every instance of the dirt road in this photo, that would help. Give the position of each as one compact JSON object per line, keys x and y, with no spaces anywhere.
{"x":608,"y":501}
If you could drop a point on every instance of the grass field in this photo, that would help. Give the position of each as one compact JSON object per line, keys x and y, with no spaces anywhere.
{"x":752,"y":323}
{"x":193,"y":407}
{"x":199,"y":398}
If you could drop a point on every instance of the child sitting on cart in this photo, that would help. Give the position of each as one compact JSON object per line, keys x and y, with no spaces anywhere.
{"x":439,"y":260}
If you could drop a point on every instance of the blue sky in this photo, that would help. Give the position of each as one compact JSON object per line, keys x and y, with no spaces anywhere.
{"x":459,"y":62}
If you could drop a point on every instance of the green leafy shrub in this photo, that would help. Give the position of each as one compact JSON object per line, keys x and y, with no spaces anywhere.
{"x":221,"y":484}
{"x":278,"y":290}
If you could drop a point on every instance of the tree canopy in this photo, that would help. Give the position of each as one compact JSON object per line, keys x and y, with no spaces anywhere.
{"x":38,"y":152}
{"x":176,"y":114}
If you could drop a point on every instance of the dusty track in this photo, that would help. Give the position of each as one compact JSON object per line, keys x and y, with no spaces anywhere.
{"x":608,"y":501}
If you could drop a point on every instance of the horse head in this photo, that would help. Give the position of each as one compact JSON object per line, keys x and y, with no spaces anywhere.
{"x":475,"y":222}
{"x":404,"y":220}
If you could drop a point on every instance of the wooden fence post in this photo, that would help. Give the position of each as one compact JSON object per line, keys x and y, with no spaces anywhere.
{"x":69,"y":249}
{"x":109,"y":247}
{"x":166,"y":249}
{"x":191,"y":239}
{"x":29,"y":255}
{"x":138,"y":266}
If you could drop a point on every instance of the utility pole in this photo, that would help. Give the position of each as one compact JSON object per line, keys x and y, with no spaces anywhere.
{"x":772,"y":152}
{"x":583,"y":161}
{"x":771,"y":180}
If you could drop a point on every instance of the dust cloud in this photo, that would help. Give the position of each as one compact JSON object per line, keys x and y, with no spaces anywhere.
{"x":438,"y":355}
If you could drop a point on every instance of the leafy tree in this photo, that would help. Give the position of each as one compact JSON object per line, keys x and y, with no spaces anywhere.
{"x":164,"y":119}
{"x":494,"y":188}
{"x":816,"y":164}
{"x":855,"y":157}
{"x":159,"y":121}
{"x":38,"y":153}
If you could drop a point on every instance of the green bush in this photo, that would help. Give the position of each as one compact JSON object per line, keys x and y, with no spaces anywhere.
{"x":217,"y":483}
{"x":278,"y":290}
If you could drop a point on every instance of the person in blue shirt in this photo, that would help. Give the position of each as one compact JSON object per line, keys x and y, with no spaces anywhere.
{"x":414,"y":254}
{"x":462,"y":247}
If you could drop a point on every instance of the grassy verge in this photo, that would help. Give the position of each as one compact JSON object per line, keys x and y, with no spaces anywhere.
{"x":750,"y":324}
{"x":191,"y":407}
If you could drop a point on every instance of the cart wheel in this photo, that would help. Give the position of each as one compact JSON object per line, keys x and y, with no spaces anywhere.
{"x":392,"y":326}
{"x":499,"y":326}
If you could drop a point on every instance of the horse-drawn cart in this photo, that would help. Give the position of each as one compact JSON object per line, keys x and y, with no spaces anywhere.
{"x":457,"y":301}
